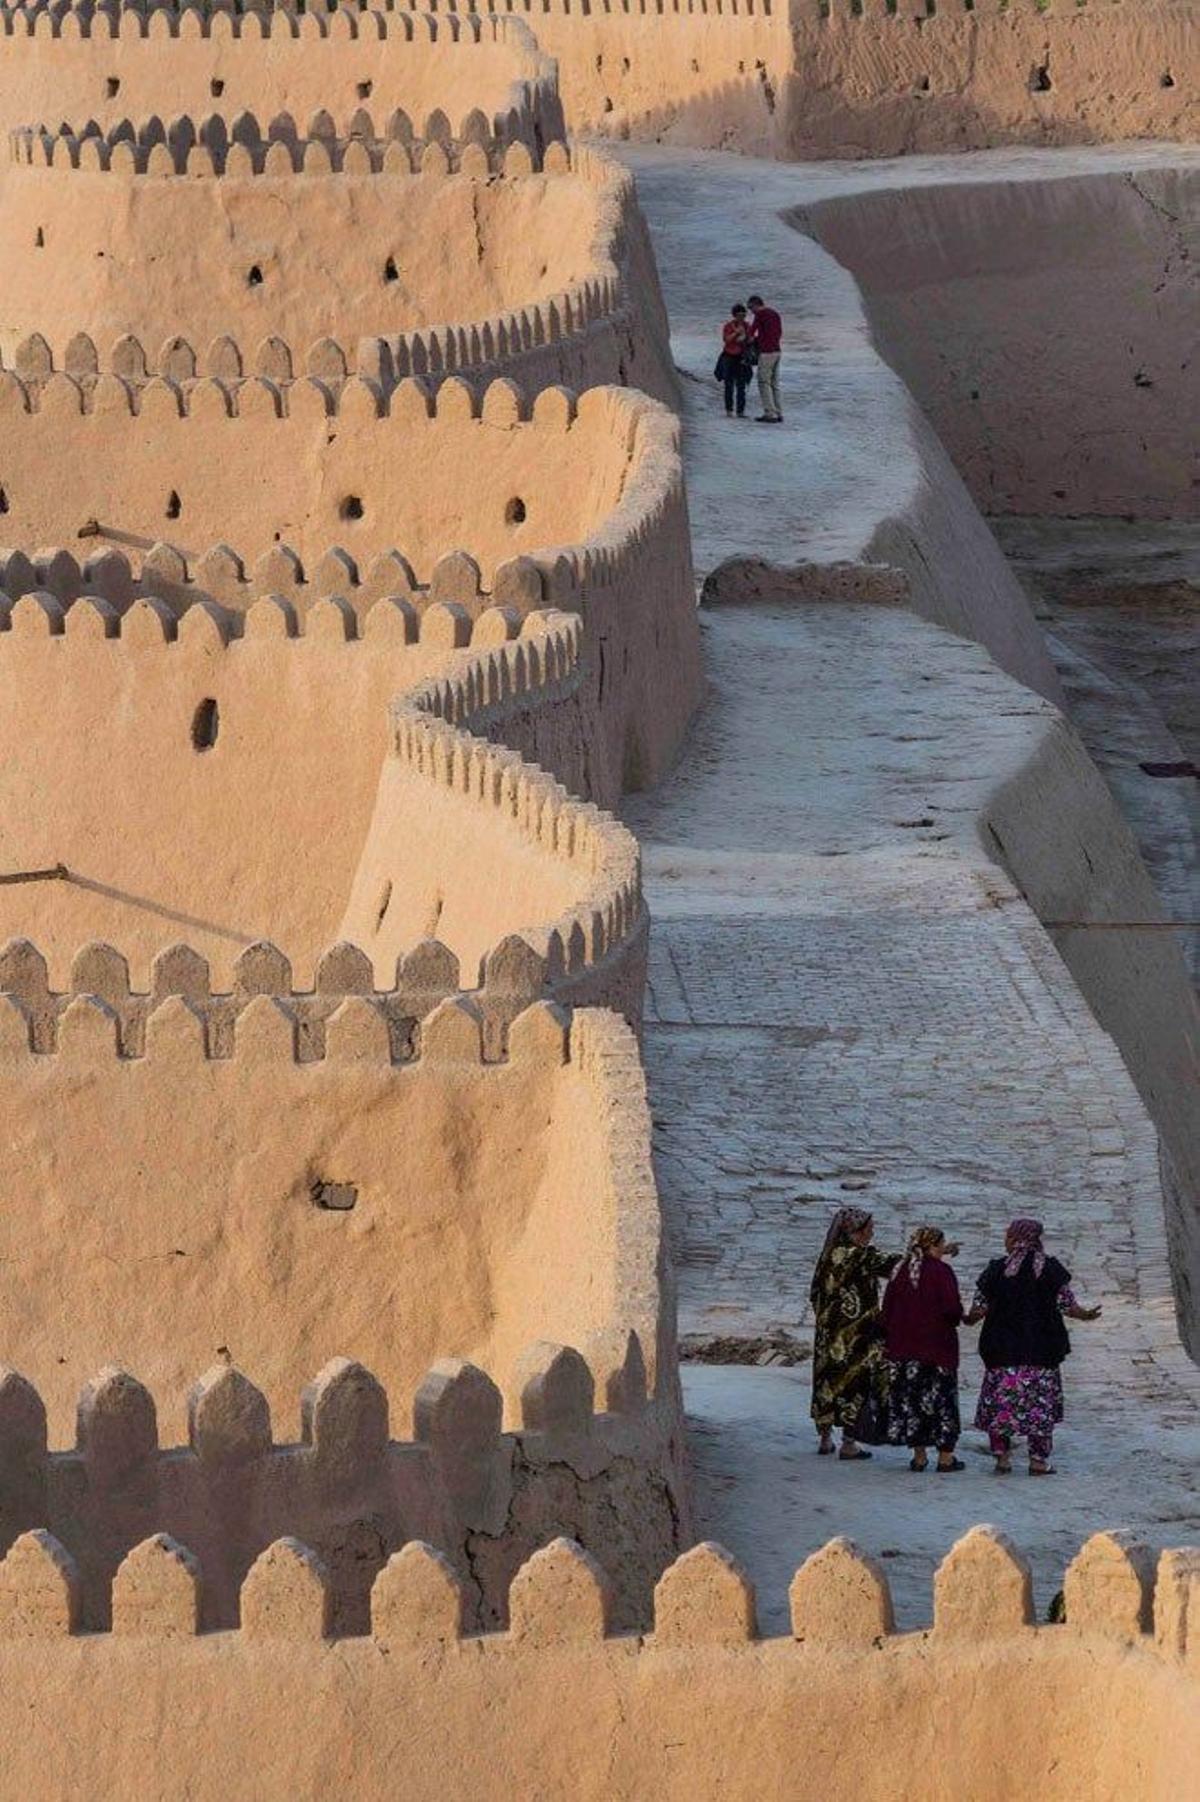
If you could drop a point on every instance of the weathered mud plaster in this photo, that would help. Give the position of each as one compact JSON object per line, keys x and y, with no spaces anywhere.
{"x":113,"y":65}
{"x":155,"y":679}
{"x":873,"y":80}
{"x":515,"y":1196}
{"x":237,"y":268}
{"x":997,"y":301}
{"x":701,"y":1708}
{"x":833,"y":78}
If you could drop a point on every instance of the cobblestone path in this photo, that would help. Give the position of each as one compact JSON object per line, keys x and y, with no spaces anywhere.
{"x":848,"y":1001}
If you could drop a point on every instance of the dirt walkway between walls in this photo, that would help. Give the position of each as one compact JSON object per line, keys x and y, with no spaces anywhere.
{"x":848,"y":1000}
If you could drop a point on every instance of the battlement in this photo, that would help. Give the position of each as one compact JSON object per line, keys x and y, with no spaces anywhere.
{"x":931,"y":9}
{"x":564,"y":291}
{"x":240,"y":149}
{"x":392,"y":871}
{"x":83,"y":20}
{"x":564,"y":1705}
{"x":109,"y":62}
{"x":425,"y":1195}
{"x":214,"y":604}
{"x":1114,"y":1590}
{"x":234,"y":1487}
{"x":627,"y":9}
{"x":439,"y":730}
{"x":550,"y":465}
{"x":432,"y":740}
{"x":515,"y":662}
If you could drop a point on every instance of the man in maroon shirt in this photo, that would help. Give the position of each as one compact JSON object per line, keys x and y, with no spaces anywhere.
{"x":768,"y":340}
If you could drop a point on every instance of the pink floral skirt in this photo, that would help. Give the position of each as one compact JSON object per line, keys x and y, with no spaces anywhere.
{"x":1022,"y":1402}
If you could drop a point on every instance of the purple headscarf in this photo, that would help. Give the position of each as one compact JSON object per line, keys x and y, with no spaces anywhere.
{"x":1026,"y":1236}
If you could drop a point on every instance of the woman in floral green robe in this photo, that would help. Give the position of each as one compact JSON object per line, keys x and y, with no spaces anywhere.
{"x":848,"y":1363}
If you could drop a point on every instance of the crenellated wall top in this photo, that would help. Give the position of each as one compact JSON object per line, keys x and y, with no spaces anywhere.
{"x":239,"y":149}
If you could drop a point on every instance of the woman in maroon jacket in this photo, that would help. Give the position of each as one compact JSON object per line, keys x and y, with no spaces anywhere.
{"x":921,"y":1312}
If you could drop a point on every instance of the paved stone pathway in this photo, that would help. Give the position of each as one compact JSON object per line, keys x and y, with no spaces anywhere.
{"x":848,"y":1001}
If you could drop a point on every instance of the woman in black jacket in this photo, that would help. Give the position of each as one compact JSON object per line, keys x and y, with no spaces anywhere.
{"x":1021,"y":1299}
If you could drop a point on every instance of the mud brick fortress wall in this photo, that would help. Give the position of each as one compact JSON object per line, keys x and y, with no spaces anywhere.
{"x":118,"y":63}
{"x":207,"y":256}
{"x":401,"y":831}
{"x":974,"y":296}
{"x":847,"y":78}
{"x":382,"y":669}
{"x":698,"y":1706}
{"x":452,"y":1229}
{"x":340,"y":1415}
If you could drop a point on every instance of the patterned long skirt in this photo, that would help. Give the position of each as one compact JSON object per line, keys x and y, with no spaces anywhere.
{"x":922,"y":1405}
{"x":1024,"y":1401}
{"x":849,"y":1379}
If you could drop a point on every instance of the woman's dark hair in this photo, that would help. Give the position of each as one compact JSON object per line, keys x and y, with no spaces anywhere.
{"x":737,"y":307}
{"x":756,"y":300}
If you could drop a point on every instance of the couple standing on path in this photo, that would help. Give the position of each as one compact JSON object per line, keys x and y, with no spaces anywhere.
{"x":750,"y":343}
{"x":890,"y":1375}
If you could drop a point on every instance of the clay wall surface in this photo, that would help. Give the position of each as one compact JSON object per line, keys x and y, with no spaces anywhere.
{"x":872,"y":80}
{"x":993,"y":299}
{"x":1058,"y":832}
{"x":80,"y":63}
{"x":848,"y":80}
{"x":621,"y":462}
{"x":1103,"y":1708}
{"x":471,"y":1233}
{"x":585,"y":1433}
{"x":245,"y":472}
{"x":571,"y":889}
{"x":94,"y":271}
{"x":706,"y":75}
{"x":249,"y":288}
{"x":211,"y":852}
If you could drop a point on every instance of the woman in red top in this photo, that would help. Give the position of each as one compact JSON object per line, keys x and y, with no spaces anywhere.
{"x":736,"y":360}
{"x":921,"y":1312}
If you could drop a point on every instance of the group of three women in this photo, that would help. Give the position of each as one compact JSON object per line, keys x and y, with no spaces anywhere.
{"x":889,"y":1374}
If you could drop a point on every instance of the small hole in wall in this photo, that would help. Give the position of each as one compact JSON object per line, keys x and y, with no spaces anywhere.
{"x":39,"y":241}
{"x":351,"y":508}
{"x":626,"y":64}
{"x":112,"y":86}
{"x":1167,"y":80}
{"x":254,"y":276}
{"x":1039,"y":81}
{"x":514,"y":512}
{"x":337,"y":1198}
{"x":3,"y":501}
{"x":923,"y":85}
{"x":364,"y":90}
{"x":385,"y":901}
{"x":608,"y":105}
{"x":206,"y":723}
{"x":695,"y":67}
{"x":174,"y":505}
{"x":216,"y":88}
{"x":390,"y":271}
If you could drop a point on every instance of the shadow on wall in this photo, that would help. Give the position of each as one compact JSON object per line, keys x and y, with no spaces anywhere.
{"x":742,"y":114}
{"x":897,"y":81}
{"x":992,"y":299}
{"x":890,"y":84}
